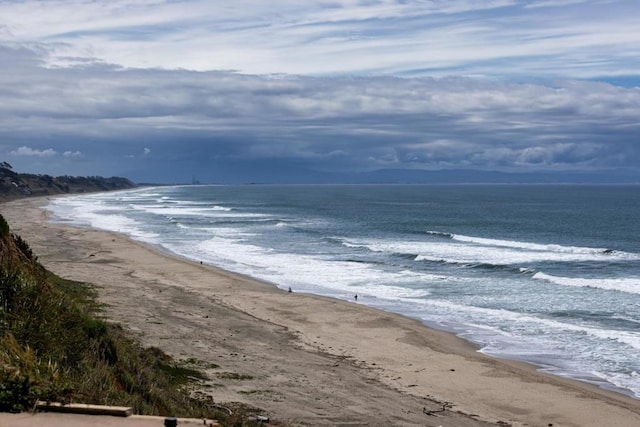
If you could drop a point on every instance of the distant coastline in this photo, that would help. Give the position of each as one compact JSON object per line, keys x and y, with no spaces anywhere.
{"x":14,"y":185}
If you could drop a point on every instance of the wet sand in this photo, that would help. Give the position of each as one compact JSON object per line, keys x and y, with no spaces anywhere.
{"x":305,"y":359}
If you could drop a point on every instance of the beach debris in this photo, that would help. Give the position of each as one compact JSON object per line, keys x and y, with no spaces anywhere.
{"x":223,"y":408}
{"x":262,"y":419}
{"x":82,"y":408}
{"x":445,"y":406}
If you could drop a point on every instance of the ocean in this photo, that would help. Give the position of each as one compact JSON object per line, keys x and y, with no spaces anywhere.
{"x":547,"y":274}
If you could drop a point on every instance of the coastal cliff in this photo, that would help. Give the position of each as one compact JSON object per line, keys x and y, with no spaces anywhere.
{"x":15,"y":185}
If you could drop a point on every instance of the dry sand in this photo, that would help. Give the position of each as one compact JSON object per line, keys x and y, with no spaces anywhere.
{"x":304,"y":359}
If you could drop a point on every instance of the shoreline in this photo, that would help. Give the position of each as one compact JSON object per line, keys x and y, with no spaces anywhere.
{"x":458,"y":332}
{"x":368,"y":364}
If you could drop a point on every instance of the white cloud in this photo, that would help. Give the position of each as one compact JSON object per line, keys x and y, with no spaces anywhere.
{"x":146,"y":151}
{"x":73,"y":154}
{"x":28,"y":151}
{"x":578,"y":38}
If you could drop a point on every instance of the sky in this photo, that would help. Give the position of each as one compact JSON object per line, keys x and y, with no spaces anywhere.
{"x":321,"y":90}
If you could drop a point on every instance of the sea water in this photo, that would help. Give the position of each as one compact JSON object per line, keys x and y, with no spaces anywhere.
{"x":539,"y":273}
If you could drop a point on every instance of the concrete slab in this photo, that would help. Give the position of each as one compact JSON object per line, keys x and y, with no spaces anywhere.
{"x":49,"y":419}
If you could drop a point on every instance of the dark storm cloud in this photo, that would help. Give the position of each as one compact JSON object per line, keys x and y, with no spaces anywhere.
{"x":107,"y":114}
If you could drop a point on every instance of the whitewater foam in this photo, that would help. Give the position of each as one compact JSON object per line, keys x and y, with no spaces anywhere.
{"x":623,"y":284}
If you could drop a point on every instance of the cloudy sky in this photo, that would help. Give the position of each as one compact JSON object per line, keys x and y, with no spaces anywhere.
{"x":292,"y":91}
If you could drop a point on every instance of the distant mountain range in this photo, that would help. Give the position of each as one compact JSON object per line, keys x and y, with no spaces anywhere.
{"x":15,"y":185}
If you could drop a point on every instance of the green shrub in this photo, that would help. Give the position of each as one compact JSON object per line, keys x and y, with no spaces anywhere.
{"x":11,"y":286}
{"x":23,"y":246}
{"x":25,"y":377}
{"x":4,"y":227}
{"x":14,"y":392}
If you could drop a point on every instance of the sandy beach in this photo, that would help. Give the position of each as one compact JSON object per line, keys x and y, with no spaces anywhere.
{"x":305,"y":359}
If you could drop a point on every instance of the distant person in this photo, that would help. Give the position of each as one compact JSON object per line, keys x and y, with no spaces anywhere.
{"x":356,"y":297}
{"x":290,"y":289}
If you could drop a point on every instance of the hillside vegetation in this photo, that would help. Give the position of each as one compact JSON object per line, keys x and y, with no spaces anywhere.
{"x":53,"y":346}
{"x":15,"y":185}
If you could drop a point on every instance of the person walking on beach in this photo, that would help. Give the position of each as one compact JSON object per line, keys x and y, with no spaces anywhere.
{"x":356,"y":297}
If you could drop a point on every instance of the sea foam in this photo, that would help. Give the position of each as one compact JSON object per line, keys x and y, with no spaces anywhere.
{"x":622,"y":284}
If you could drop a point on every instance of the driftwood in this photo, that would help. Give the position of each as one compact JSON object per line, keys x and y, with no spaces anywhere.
{"x":224,"y":408}
{"x":80,"y":408}
{"x":445,"y":406}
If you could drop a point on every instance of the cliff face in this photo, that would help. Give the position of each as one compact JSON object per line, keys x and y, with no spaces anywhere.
{"x":16,"y":185}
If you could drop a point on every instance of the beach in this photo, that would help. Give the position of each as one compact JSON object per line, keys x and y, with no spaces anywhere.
{"x":305,"y":359}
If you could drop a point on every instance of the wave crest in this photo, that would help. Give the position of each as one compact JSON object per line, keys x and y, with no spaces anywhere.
{"x":623,"y":284}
